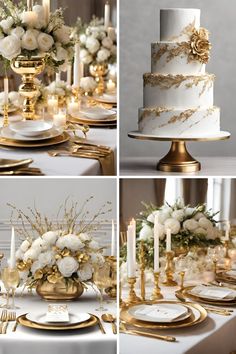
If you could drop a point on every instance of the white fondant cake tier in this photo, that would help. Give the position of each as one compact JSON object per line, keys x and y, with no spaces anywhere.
{"x":172,"y":58}
{"x":176,"y":24}
{"x":174,"y":122}
{"x":178,"y":90}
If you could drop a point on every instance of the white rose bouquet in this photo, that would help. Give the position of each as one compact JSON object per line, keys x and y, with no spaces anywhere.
{"x":66,"y":251}
{"x":59,"y":88}
{"x":98,"y":43}
{"x":15,"y":100}
{"x":22,"y":33}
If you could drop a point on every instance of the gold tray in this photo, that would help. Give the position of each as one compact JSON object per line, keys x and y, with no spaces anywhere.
{"x":185,"y":295}
{"x":93,"y":321}
{"x":6,"y":164}
{"x":54,"y":141}
{"x":190,"y":321}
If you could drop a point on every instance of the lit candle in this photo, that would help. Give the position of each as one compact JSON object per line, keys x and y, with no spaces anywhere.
{"x":73,"y":105}
{"x":29,"y":5}
{"x":46,"y":5}
{"x":113,"y":242}
{"x":131,"y":250}
{"x":77,"y":66}
{"x":111,"y":86}
{"x":58,"y":76}
{"x":59,"y":119}
{"x":168,"y":240}
{"x":69,"y":72}
{"x":13,"y":249}
{"x":6,"y":90}
{"x":156,"y":243}
{"x":52,"y":103}
{"x":107,"y":15}
{"x":227,"y":231}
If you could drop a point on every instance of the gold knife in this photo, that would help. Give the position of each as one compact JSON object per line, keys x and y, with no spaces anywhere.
{"x":150,"y":335}
{"x":100,"y":325}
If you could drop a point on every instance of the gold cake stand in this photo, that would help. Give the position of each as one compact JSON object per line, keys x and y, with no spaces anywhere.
{"x":178,"y":159}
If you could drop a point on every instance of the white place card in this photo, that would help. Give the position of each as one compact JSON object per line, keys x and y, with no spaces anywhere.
{"x":160,"y":312}
{"x":57,"y":313}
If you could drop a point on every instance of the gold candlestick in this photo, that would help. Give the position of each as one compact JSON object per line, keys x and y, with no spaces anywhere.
{"x":5,"y":115}
{"x":121,"y":302}
{"x":227,"y":259}
{"x":169,"y":269}
{"x":111,"y":290}
{"x":182,"y":274}
{"x":132,"y":297}
{"x":142,"y":269}
{"x":156,"y":294}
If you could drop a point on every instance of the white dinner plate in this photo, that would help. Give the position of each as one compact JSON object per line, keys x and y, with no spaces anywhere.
{"x":161,"y":313}
{"x":40,"y":318}
{"x":106,"y":98}
{"x":97,"y":113}
{"x":52,"y":133}
{"x":31,"y":127}
{"x":214,"y":293}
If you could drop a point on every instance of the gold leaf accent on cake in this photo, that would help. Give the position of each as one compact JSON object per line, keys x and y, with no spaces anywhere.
{"x":188,"y":30}
{"x":162,"y":50}
{"x":200,"y":46}
{"x":183,"y":116}
{"x":209,"y":111}
{"x":156,"y":111}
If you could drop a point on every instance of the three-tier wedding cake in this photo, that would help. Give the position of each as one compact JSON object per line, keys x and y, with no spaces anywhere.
{"x":178,"y":93}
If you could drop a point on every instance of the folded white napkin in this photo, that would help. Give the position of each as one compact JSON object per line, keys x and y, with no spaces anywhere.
{"x":57,"y":313}
{"x":159,"y":312}
{"x":211,"y":292}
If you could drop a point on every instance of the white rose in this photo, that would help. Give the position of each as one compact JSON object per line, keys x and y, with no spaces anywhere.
{"x":61,"y":54}
{"x":15,"y":98}
{"x":103,"y":54}
{"x":70,"y":241}
{"x":18,"y":31}
{"x":50,"y":237}
{"x":29,"y":40}
{"x":92,"y":44}
{"x":146,"y":232}
{"x":31,"y":254}
{"x":190,"y":224}
{"x":6,"y":24}
{"x":87,"y":60}
{"x":46,"y":258}
{"x":97,"y":258}
{"x":19,"y":254}
{"x":94,"y":245}
{"x":62,"y":34}
{"x":85,"y":272}
{"x":173,"y":225}
{"x":25,"y":245}
{"x":35,"y":266}
{"x":189,"y":211}
{"x":163,"y":215}
{"x":161,"y":231}
{"x":211,"y":234}
{"x":113,"y":50}
{"x":151,"y":217}
{"x":107,"y":42}
{"x":199,"y":216}
{"x":205,"y":223}
{"x":84,"y":237}
{"x":28,"y":19}
{"x":39,"y":10}
{"x":67,"y":266}
{"x":178,"y":214}
{"x":10,"y":47}
{"x":88,"y":83}
{"x":83,"y":38}
{"x":45,"y":42}
{"x":200,"y":231}
{"x":112,"y":33}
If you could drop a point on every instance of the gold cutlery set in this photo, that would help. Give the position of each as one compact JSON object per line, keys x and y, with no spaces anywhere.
{"x":5,"y":318}
{"x":18,"y":168}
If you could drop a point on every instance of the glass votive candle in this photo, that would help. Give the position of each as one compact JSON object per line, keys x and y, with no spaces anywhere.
{"x":52,"y":104}
{"x":73,"y":105}
{"x":59,"y":119}
{"x":111,"y":86}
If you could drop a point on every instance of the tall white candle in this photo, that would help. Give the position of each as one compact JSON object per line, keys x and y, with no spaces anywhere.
{"x":6,"y":89}
{"x":113,"y":242}
{"x":77,"y":66}
{"x":107,"y":15}
{"x":58,"y":76}
{"x":46,"y":5}
{"x":131,"y":251}
{"x":29,"y":5}
{"x":168,"y":240}
{"x":13,"y":249}
{"x":69,"y":73}
{"x":156,"y":243}
{"x":227,"y":230}
{"x":133,"y":223}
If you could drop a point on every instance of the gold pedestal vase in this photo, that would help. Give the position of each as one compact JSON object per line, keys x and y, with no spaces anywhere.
{"x":63,"y":290}
{"x":28,"y":68}
{"x":99,"y":71}
{"x":111,"y":291}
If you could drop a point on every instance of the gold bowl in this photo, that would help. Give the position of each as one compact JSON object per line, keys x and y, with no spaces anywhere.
{"x":61,"y":291}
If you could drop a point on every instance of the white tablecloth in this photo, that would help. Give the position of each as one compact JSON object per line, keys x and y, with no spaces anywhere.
{"x":215,"y":335}
{"x":87,"y":341}
{"x":64,"y":165}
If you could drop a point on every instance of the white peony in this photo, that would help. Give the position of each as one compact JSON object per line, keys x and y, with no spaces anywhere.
{"x":190,"y":224}
{"x":6,"y":24}
{"x":61,"y":55}
{"x":163,"y":215}
{"x":31,"y":254}
{"x":112,"y":33}
{"x":151,"y":217}
{"x":211,"y":234}
{"x":15,"y":98}
{"x":88,"y":83}
{"x":85,"y":57}
{"x":45,"y":42}
{"x":200,"y":231}
{"x":189,"y":211}
{"x":103,"y":54}
{"x":25,"y":245}
{"x":85,"y":272}
{"x":113,"y":50}
{"x":70,"y":241}
{"x":19,"y":254}
{"x":29,"y":40}
{"x":84,"y":237}
{"x":178,"y":214}
{"x":39,"y":10}
{"x":10,"y":47}
{"x":29,"y":19}
{"x":107,"y":42}
{"x":94,"y":245}
{"x":18,"y":31}
{"x":35,"y":266}
{"x":161,"y":231}
{"x":205,"y":223}
{"x":62,"y":34}
{"x":50,"y":237}
{"x":146,"y":232}
{"x":199,"y":216}
{"x":173,"y":225}
{"x":67,"y":266}
{"x":92,"y":44}
{"x":83,"y":38}
{"x":46,"y":258}
{"x":97,"y":258}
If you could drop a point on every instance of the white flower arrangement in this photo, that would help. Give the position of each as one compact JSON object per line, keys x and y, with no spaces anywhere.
{"x":15,"y":100}
{"x":88,"y":84}
{"x":27,"y":35}
{"x":98,"y":43}
{"x":59,"y":88}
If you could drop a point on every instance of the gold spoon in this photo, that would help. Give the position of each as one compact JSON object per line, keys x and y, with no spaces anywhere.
{"x":107,"y":317}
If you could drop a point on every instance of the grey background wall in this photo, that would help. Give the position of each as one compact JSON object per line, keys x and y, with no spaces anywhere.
{"x":139,"y":26}
{"x":48,"y":194}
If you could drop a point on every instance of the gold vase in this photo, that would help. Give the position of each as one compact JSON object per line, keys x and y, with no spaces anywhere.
{"x":28,"y":68}
{"x":99,"y":71}
{"x":111,"y":291}
{"x":61,"y":291}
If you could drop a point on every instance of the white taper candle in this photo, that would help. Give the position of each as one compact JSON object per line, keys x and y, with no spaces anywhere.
{"x":107,"y":15}
{"x":13,"y":249}
{"x":46,"y":5}
{"x":113,"y":240}
{"x":156,"y":243}
{"x":168,"y":240}
{"x":69,"y":73}
{"x":6,"y":89}
{"x":77,"y":67}
{"x":227,"y":230}
{"x":131,"y":251}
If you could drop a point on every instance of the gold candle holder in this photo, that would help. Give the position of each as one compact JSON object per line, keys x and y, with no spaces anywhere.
{"x":132,"y":297}
{"x":121,"y":302}
{"x":182,"y":274}
{"x":169,"y":269}
{"x":99,"y":71}
{"x":5,"y":115}
{"x":215,"y":267}
{"x":227,"y":259}
{"x":111,"y":291}
{"x":142,"y":270}
{"x":156,"y":294}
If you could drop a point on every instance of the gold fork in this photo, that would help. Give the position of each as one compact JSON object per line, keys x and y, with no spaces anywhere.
{"x":5,"y":323}
{"x":3,"y":319}
{"x":13,"y":318}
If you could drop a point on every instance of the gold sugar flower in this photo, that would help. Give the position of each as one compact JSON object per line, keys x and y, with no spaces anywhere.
{"x":200,"y":46}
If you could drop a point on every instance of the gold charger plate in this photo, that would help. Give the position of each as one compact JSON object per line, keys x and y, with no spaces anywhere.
{"x":97,"y":121}
{"x":226,"y":278}
{"x":186,"y":295}
{"x":6,"y":164}
{"x":54,"y":141}
{"x":190,"y":321}
{"x":93,"y":321}
{"x":102,"y":125}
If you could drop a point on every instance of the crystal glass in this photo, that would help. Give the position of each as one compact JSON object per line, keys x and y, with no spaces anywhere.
{"x":101,"y":278}
{"x":10,"y":279}
{"x":52,"y":104}
{"x":59,"y":118}
{"x":73,"y":105}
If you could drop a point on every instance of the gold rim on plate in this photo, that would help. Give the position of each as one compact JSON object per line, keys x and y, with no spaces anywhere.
{"x":54,"y":141}
{"x":185,"y":294}
{"x":93,"y":321}
{"x":190,"y":321}
{"x":102,"y":125}
{"x":6,"y":164}
{"x":226,"y":278}
{"x":97,"y":121}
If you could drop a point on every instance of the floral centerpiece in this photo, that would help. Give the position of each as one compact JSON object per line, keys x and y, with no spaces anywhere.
{"x":59,"y":254}
{"x":14,"y":100}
